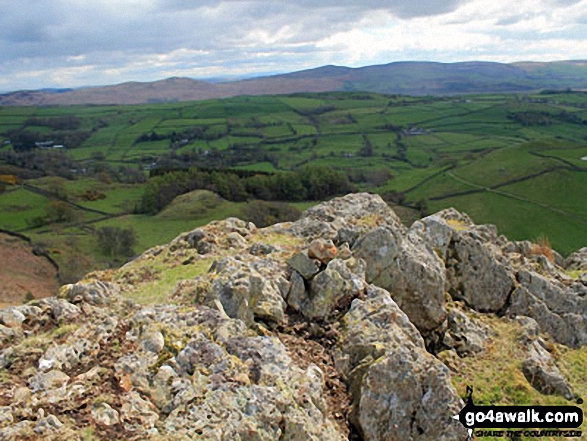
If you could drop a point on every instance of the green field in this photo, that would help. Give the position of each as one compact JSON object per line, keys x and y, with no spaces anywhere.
{"x":521,"y":155}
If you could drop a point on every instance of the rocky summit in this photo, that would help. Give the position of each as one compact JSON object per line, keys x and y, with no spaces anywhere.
{"x":345,"y":324}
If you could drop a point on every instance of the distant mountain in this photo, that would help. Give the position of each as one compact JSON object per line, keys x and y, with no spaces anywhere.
{"x":409,"y":78}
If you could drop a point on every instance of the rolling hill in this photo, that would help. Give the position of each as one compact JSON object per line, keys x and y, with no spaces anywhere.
{"x":409,"y":78}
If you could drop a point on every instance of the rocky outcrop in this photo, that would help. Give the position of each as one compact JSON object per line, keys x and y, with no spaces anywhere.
{"x":399,"y":390}
{"x":409,"y":270}
{"x":342,"y":325}
{"x":166,"y":371}
{"x":559,"y":310}
{"x":542,"y":373}
{"x":577,"y":261}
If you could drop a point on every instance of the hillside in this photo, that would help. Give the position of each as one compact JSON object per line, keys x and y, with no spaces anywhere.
{"x":24,"y":275}
{"x":511,"y":160}
{"x":342,"y":325}
{"x":408,"y":78}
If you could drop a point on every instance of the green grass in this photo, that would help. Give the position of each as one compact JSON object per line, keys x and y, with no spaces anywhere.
{"x":519,"y":220}
{"x":182,"y":215}
{"x":473,"y":134}
{"x":439,"y":185}
{"x":573,"y":155}
{"x":497,"y":378}
{"x":19,"y":206}
{"x":503,"y":165}
{"x":119,"y":198}
{"x":408,"y":178}
{"x":159,"y":278}
{"x":560,"y":189}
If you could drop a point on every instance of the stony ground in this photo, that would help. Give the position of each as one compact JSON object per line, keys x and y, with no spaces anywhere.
{"x":342,"y":325}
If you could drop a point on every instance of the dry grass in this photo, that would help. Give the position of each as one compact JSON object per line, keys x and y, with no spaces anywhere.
{"x":542,"y":247}
{"x":497,"y":378}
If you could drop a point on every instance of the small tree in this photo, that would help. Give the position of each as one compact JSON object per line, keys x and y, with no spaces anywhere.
{"x":59,"y":211}
{"x":263,"y":213}
{"x":56,"y":185}
{"x":116,"y":241}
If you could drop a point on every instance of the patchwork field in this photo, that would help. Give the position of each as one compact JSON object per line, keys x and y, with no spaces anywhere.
{"x":512,"y":160}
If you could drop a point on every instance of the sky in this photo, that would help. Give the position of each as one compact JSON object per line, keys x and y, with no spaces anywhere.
{"x":73,"y":43}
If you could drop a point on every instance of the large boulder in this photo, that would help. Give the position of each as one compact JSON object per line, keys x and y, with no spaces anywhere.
{"x":410,"y":270}
{"x":344,"y":218}
{"x":477,"y":272}
{"x":399,"y":390}
{"x":577,"y":261}
{"x":95,"y":292}
{"x":465,"y":334}
{"x":543,"y":374}
{"x":332,"y":288}
{"x":558,"y":310}
{"x":250,"y":289}
{"x":437,"y":230}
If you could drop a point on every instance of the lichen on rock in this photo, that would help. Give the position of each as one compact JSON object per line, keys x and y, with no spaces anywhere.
{"x":342,"y":325}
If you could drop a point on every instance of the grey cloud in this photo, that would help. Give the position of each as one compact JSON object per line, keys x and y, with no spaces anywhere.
{"x":47,"y":33}
{"x":35,"y":28}
{"x":400,"y":8}
{"x":510,"y":20}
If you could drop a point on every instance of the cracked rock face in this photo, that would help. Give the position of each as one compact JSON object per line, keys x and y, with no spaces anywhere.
{"x":399,"y":390}
{"x":478,"y":276}
{"x":321,"y":329}
{"x":409,"y":270}
{"x":543,"y":374}
{"x":557,"y":309}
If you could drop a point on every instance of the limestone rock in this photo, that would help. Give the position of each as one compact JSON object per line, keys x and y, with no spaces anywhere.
{"x":331,"y":288}
{"x":451,"y":359}
{"x":6,"y":357}
{"x":66,"y":356}
{"x":378,"y":248}
{"x":8,"y":334}
{"x":95,"y":293}
{"x":48,"y":380}
{"x":104,"y":414}
{"x":11,"y":317}
{"x":6,"y":416}
{"x":344,"y":251}
{"x":409,"y":270}
{"x":438,"y":229}
{"x":305,"y":266}
{"x":358,"y":213}
{"x":477,"y":273}
{"x":262,"y":348}
{"x":558,"y":310}
{"x":153,"y":341}
{"x":261,"y":249}
{"x":47,"y":425}
{"x":541,"y":372}
{"x":297,"y":293}
{"x":59,"y":309}
{"x":15,"y":316}
{"x":323,"y":250}
{"x":530,"y":329}
{"x":138,"y":414}
{"x":577,"y":261}
{"x":245,"y":291}
{"x":465,"y":335}
{"x":399,"y":390}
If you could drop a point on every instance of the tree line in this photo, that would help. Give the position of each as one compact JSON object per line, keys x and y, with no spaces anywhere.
{"x":307,"y":183}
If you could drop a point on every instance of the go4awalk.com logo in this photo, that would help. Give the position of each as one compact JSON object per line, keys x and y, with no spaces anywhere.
{"x":520,"y":421}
